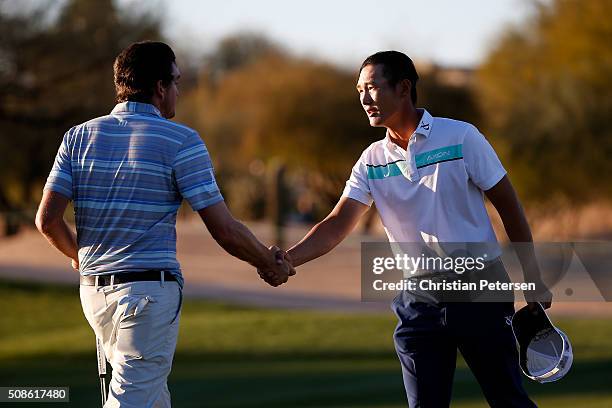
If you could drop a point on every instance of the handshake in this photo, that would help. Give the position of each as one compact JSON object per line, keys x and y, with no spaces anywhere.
{"x":278,"y":269}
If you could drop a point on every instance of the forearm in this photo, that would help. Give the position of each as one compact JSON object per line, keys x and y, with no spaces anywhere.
{"x":61,"y":237}
{"x":321,"y":239}
{"x":515,"y":224}
{"x":506,"y":201}
{"x":241,"y":243}
{"x":519,"y":233}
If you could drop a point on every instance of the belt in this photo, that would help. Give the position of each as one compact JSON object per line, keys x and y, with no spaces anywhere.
{"x":125,"y":277}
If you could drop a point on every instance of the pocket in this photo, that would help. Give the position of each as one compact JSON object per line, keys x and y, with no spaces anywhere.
{"x":135,"y":328}
{"x":395,"y":300}
{"x":180,"y":305}
{"x":416,"y":314}
{"x":145,"y":323}
{"x":134,"y":305}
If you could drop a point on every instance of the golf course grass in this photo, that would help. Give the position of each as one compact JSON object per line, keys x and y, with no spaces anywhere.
{"x":231,"y":356}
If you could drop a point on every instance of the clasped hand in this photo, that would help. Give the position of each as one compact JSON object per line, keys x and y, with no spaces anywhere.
{"x":278,"y":269}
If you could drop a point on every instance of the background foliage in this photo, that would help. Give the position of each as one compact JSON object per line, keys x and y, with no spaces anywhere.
{"x":546,"y":95}
{"x":542,"y":97}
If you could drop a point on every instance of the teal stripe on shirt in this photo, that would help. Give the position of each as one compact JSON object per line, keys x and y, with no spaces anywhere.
{"x":442,"y":154}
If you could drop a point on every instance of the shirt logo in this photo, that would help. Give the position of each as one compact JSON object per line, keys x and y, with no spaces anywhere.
{"x":448,"y":153}
{"x":438,"y":156}
{"x":425,"y":126}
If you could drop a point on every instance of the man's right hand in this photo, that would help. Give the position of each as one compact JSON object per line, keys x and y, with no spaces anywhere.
{"x":543,"y":296}
{"x":278,"y":269}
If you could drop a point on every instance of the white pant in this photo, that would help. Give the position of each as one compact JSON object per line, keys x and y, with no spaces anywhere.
{"x":137,"y":323}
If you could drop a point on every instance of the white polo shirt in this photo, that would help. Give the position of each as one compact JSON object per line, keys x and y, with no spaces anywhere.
{"x":433,"y":191}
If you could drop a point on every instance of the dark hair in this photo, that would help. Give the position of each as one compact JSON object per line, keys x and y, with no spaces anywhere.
{"x":138,"y":68}
{"x":397,"y":66}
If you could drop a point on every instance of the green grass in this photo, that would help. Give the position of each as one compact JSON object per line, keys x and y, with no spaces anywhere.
{"x":231,"y":356}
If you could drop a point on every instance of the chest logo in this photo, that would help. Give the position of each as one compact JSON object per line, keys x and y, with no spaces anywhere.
{"x":443,"y":154}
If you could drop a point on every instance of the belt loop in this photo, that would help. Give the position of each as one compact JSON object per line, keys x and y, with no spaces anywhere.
{"x":112,"y":282}
{"x":96,"y":281}
{"x":161,"y":280}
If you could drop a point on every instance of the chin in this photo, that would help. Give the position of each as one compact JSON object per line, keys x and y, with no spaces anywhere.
{"x":376,"y":122}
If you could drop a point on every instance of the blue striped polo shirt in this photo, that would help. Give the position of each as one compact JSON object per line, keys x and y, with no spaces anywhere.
{"x":127,"y":174}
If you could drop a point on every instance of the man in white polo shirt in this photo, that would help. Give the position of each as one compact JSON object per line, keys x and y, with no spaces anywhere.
{"x":427,"y":178}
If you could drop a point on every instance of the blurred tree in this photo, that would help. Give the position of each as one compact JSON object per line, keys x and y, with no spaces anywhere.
{"x":53,"y":75}
{"x":236,"y":51}
{"x":545,"y":92}
{"x":267,"y":104}
{"x":448,"y":92}
{"x":304,"y":112}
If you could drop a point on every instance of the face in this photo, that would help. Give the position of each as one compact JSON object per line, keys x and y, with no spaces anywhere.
{"x":170,"y":94}
{"x":380,"y":101}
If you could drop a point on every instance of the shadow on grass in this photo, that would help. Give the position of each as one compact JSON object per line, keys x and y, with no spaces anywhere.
{"x":285,"y":380}
{"x":303,"y":378}
{"x":32,"y":287}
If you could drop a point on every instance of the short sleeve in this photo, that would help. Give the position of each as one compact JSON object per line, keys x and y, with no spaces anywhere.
{"x":60,"y":177}
{"x":483,"y":166}
{"x":357,"y":186}
{"x":194,"y":174}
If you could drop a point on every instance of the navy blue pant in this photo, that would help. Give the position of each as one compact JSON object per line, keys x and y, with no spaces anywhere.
{"x":427,"y":338}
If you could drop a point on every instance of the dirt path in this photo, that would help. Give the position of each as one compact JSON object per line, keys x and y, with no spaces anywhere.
{"x":328,"y":283}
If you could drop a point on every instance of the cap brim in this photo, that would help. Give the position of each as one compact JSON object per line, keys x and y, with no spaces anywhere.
{"x":530,"y":324}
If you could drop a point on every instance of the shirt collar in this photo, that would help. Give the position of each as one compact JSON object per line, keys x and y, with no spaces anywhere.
{"x":136,"y":107}
{"x":425,"y":124}
{"x":424,"y":128}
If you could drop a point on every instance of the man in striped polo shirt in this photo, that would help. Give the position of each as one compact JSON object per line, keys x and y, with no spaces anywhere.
{"x":127,"y":174}
{"x":427,"y":178}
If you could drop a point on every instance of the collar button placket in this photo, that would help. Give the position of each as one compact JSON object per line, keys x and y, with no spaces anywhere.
{"x":410,"y":157}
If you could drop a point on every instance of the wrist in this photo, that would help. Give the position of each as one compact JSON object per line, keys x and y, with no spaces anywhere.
{"x":266,"y":260}
{"x":294,"y":258}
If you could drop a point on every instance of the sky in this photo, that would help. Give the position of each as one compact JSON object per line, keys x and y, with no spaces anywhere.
{"x":447,"y":32}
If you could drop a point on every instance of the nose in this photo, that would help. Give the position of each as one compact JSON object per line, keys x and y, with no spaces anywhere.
{"x":366,"y":98}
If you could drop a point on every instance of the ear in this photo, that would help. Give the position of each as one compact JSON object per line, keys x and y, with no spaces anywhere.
{"x":160,"y":90}
{"x":405,"y":86}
